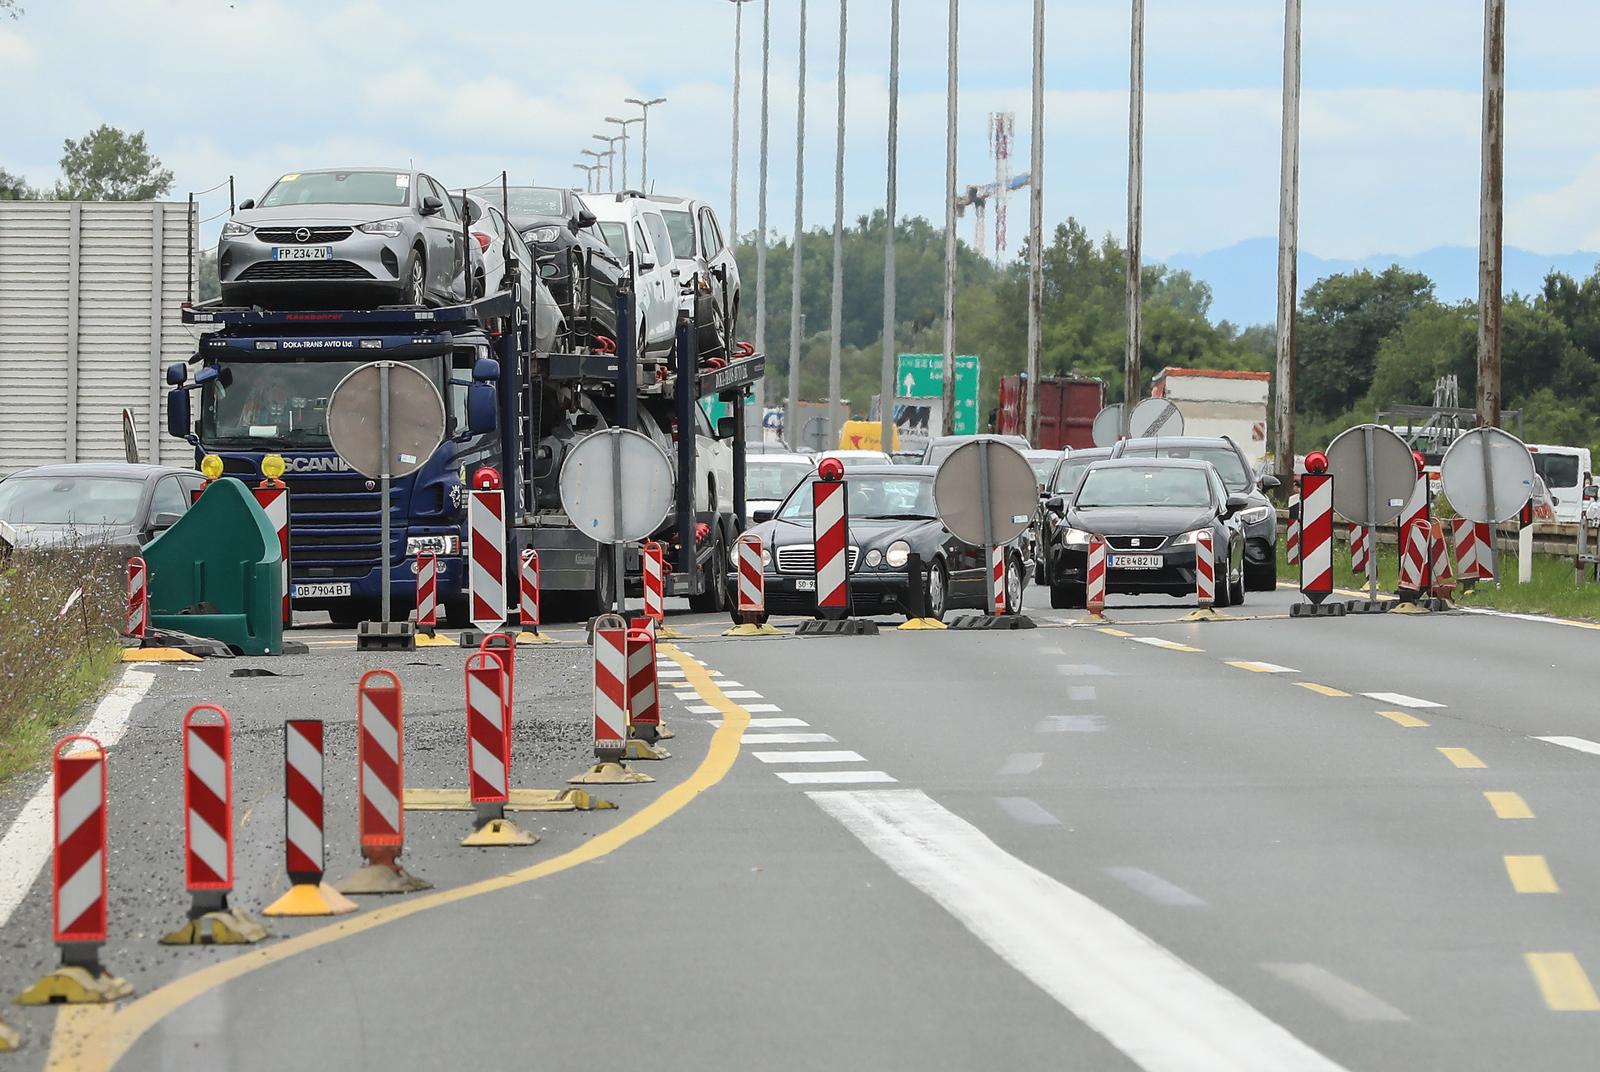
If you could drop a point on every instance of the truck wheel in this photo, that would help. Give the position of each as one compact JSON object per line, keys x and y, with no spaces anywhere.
{"x":714,"y":600}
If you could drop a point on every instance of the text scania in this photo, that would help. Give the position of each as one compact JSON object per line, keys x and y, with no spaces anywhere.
{"x":316,"y":465}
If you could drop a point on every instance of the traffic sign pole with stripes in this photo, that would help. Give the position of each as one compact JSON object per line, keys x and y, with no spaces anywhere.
{"x":830,"y":528}
{"x":137,"y":623}
{"x":486,"y":559}
{"x":997,"y":571}
{"x":1360,"y":548}
{"x":427,"y":592}
{"x":78,"y":880}
{"x":653,"y":565}
{"x":1205,"y":570}
{"x":1442,"y":583}
{"x":1414,"y":564}
{"x":303,"y":828}
{"x":1291,"y":534}
{"x":1094,"y":577}
{"x":644,"y":697}
{"x":528,"y":610}
{"x":750,"y":593}
{"x":1316,"y":537}
{"x":1419,"y":512}
{"x":610,"y":705}
{"x":488,"y":693}
{"x":273,"y":496}
{"x":381,"y":780}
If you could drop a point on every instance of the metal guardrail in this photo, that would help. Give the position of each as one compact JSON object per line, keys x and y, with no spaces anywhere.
{"x":1559,"y":538}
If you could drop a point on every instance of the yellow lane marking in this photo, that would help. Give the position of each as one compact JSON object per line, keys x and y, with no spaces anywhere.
{"x":1463,"y":758}
{"x":1562,"y":981}
{"x":1400,"y":718}
{"x":1166,"y":645}
{"x":75,"y":1022}
{"x":1531,"y":874}
{"x":1508,"y":805}
{"x":1321,"y":690}
{"x":1108,"y":631}
{"x":1258,"y":668}
{"x":97,"y":1046}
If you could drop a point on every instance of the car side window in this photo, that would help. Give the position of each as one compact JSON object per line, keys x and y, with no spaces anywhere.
{"x":710,"y":236}
{"x":659,"y":235}
{"x":433,"y":188}
{"x":643,"y":240}
{"x":169,"y":497}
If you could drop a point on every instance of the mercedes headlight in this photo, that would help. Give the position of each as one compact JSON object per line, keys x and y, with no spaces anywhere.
{"x":1075,"y":538}
{"x":766,"y":559}
{"x":384,"y":228}
{"x":1256,"y":514}
{"x":548,"y":233}
{"x":873,"y":558}
{"x":236,"y":230}
{"x":897,"y":554}
{"x":1188,"y":538}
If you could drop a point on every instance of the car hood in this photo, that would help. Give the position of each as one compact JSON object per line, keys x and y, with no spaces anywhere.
{"x":285,"y":215}
{"x":864,"y":532}
{"x":1142,"y":520}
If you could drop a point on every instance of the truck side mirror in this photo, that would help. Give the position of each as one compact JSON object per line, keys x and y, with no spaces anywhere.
{"x":486,"y":370}
{"x":177,"y":373}
{"x":1591,"y":493}
{"x":726,"y":427}
{"x":179,"y":420}
{"x":480,"y":409}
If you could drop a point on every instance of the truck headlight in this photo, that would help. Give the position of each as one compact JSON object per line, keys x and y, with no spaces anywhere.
{"x":384,"y":228}
{"x":236,"y":230}
{"x":438,"y":545}
{"x":898,"y":554}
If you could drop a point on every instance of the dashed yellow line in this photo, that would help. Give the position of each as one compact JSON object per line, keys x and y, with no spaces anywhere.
{"x":1531,"y":874}
{"x":1563,"y":982}
{"x":1463,"y":758}
{"x":1108,"y":631}
{"x":1400,"y":718}
{"x":1508,"y":805}
{"x":1322,"y":690}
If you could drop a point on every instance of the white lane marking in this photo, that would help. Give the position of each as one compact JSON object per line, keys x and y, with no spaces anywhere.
{"x":1529,"y":617}
{"x":1263,"y":668}
{"x":1070,"y":724}
{"x":742,"y":694}
{"x":1158,"y":642}
{"x":757,"y":708}
{"x":1399,"y":699}
{"x":1083,"y":670}
{"x":674,"y":672}
{"x":26,"y":846}
{"x":786,"y":738}
{"x":1155,"y":887}
{"x":703,"y":709}
{"x":767,"y":723}
{"x":836,"y":755}
{"x":1577,"y":744}
{"x":1159,"y":1011}
{"x":1082,"y":693}
{"x":1342,"y":996}
{"x":1020,"y":763}
{"x":688,"y":696}
{"x":1026,"y":811}
{"x":820,"y":777}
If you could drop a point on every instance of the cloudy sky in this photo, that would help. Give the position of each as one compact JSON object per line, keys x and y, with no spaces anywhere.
{"x":257,"y":87}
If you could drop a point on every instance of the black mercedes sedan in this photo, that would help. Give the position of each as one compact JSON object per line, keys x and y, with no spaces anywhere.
{"x":891,"y":518}
{"x":1149,"y":512}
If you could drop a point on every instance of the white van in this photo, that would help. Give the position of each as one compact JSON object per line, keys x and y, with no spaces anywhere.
{"x":1566,"y":471}
{"x":634,"y":228}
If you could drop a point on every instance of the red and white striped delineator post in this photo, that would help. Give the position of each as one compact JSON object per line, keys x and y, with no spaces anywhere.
{"x":381,"y":781}
{"x":644,"y":698}
{"x":1291,"y":534}
{"x":653,"y":564}
{"x":208,"y":834}
{"x":829,"y":529}
{"x":427,"y":592}
{"x":489,"y":750}
{"x":137,"y":622}
{"x":528,"y":611}
{"x":610,"y":705}
{"x":1205,"y":570}
{"x":1360,"y":548}
{"x":1094,"y":575}
{"x":1414,"y":564}
{"x":997,"y":569}
{"x":1471,"y":541}
{"x":303,"y":827}
{"x":751,"y":591}
{"x":1442,"y":584}
{"x":486,"y":560}
{"x":1316,"y":536}
{"x":78,"y":881}
{"x":274,"y":500}
{"x":1418,"y":511}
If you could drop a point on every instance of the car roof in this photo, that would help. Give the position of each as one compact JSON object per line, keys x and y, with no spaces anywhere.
{"x":891,"y":470}
{"x":1179,"y":441}
{"x":122,"y":469}
{"x":1146,"y":463}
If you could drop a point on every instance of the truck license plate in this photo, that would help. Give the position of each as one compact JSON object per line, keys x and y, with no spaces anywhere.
{"x":805,"y":584}
{"x":1135,"y":561}
{"x":322,"y":591}
{"x":302,"y":253}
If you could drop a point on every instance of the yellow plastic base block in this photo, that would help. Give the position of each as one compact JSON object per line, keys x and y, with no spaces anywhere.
{"x":498,"y":833}
{"x":664,"y":732}
{"x":218,"y":928}
{"x":521,"y":800}
{"x":9,"y":1039}
{"x":383,"y":878}
{"x":438,"y":640}
{"x":75,"y":986}
{"x":526,"y":637}
{"x":1207,"y":614}
{"x":1404,"y":607}
{"x":752,"y":629}
{"x":158,"y":655}
{"x":666,"y":632}
{"x":922,"y":623}
{"x":1093,"y":619}
{"x":610,"y":773}
{"x":642,"y":750}
{"x":304,"y":899}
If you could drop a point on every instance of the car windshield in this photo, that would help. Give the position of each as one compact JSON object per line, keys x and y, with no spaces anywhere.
{"x":872,"y":496}
{"x":773,"y":479}
{"x":1071,"y":472}
{"x":1223,"y":457}
{"x":938,"y":452}
{"x":281,"y":403}
{"x":616,"y":236}
{"x":339,"y":188}
{"x":1557,"y":470}
{"x":526,"y":200}
{"x":70,"y":500}
{"x":1042,"y":468}
{"x":680,"y":225}
{"x":1142,"y":485}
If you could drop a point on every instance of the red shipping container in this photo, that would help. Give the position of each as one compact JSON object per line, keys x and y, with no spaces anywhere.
{"x":1067,"y":408}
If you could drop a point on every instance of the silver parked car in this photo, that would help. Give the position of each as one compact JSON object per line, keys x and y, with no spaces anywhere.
{"x":124,"y":505}
{"x":705,"y":263}
{"x":342,"y":238}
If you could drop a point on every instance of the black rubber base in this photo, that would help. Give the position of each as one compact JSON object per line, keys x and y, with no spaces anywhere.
{"x":1368,"y":606}
{"x":1317,"y":610}
{"x":838,"y":627}
{"x":386,"y":636}
{"x":994,"y":621}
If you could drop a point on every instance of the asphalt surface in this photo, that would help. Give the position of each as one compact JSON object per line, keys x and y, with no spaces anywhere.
{"x":1147,"y":843}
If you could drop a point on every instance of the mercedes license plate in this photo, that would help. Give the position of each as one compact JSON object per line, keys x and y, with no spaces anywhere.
{"x":1135,"y":561}
{"x":805,"y":584}
{"x":322,"y":591}
{"x":302,"y":253}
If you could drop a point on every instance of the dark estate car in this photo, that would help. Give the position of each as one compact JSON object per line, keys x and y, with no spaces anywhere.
{"x":117,"y":503}
{"x":1260,"y":519}
{"x":1056,"y":494}
{"x":1149,"y":511}
{"x":891,"y":517}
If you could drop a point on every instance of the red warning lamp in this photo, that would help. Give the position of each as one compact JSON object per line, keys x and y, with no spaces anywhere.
{"x":486,"y":479}
{"x":831,"y":470}
{"x":1422,"y":463}
{"x":1316,"y":462}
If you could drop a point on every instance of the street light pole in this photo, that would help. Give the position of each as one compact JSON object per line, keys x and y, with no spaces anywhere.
{"x":791,"y":421}
{"x":611,"y":144}
{"x":733,"y":175}
{"x":1132,"y":374}
{"x":588,"y":176}
{"x":598,"y":158}
{"x":950,"y":226}
{"x":1491,"y":212}
{"x":836,"y":312}
{"x":644,"y":137}
{"x":1035,"y":227}
{"x":886,"y":386}
{"x":624,"y":124}
{"x":1288,"y":249}
{"x":761,"y":201}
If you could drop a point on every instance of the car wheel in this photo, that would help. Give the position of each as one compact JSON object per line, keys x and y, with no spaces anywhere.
{"x":1066,"y":596}
{"x":1262,"y":578}
{"x":938,"y":595}
{"x":1238,"y":590}
{"x":416,"y":278}
{"x":714,"y":599}
{"x":1016,"y":584}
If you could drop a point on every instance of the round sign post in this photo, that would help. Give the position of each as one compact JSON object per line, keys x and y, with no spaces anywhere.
{"x":1488,"y":475}
{"x":986,"y":493}
{"x":616,"y":486}
{"x":1153,"y":417}
{"x":1107,"y":427}
{"x":1373,"y":477}
{"x":385,"y":419}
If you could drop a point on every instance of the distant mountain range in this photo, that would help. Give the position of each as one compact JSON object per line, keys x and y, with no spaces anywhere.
{"x":1244,"y":277}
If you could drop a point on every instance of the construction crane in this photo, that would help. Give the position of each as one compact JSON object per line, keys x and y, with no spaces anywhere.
{"x":1001,"y":125}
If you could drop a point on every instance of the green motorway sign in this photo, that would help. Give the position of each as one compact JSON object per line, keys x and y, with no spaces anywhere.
{"x":922,"y":376}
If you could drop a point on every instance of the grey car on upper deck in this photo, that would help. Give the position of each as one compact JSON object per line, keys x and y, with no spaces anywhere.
{"x":342,"y":238}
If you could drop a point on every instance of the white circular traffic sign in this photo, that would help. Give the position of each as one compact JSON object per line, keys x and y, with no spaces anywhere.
{"x":1155,"y":417}
{"x":1394,"y":474}
{"x":1013,"y":492}
{"x":416,"y":419}
{"x":1107,"y":425}
{"x":1487,"y":475}
{"x":589,"y":483}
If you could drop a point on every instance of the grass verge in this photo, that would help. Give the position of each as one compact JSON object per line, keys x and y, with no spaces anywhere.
{"x":53,"y":660}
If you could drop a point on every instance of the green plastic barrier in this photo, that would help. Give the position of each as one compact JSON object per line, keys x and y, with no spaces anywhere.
{"x":217,"y":573}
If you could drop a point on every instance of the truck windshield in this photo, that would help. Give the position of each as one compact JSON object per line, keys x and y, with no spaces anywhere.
{"x":282,"y":403}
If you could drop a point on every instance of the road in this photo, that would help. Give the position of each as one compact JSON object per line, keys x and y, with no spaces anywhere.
{"x":1260,"y":843}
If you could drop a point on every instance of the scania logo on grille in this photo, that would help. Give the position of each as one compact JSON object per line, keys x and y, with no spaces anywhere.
{"x":372,"y":485}
{"x":316,"y":465}
{"x":302,"y":234}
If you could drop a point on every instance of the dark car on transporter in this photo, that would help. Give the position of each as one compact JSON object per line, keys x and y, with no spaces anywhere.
{"x":891,"y":517}
{"x":1150,"y":513}
{"x":1259,"y":516}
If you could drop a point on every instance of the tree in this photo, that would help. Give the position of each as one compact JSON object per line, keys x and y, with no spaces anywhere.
{"x":1343,"y":319}
{"x":12,"y":8}
{"x":110,"y":165}
{"x":16,"y":188}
